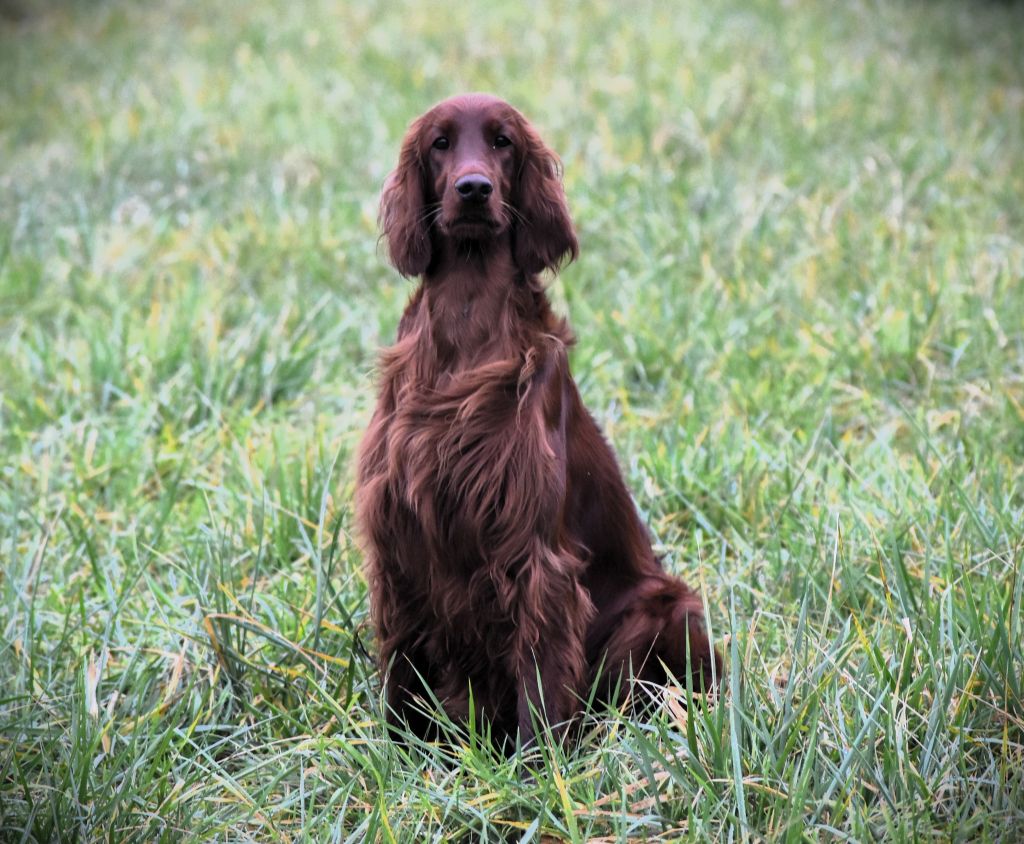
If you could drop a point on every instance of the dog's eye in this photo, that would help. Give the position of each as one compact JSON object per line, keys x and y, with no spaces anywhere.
{"x":502,"y":141}
{"x":441,"y":143}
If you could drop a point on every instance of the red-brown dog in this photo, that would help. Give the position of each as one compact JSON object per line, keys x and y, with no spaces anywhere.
{"x":503,"y":551}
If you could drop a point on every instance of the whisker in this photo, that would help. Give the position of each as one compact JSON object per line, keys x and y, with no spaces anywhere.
{"x":433,"y":218}
{"x":431,"y":209}
{"x":513,"y":213}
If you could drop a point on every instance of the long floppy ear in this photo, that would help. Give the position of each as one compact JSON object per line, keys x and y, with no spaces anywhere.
{"x":544,"y":233}
{"x":402,"y":216}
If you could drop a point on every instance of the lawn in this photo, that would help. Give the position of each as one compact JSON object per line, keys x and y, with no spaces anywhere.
{"x":800,"y":304}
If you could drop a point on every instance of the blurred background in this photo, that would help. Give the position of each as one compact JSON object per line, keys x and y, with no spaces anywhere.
{"x":799,"y":305}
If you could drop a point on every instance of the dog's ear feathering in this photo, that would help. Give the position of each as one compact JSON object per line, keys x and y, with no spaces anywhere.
{"x":545,"y":238}
{"x":403,"y":213}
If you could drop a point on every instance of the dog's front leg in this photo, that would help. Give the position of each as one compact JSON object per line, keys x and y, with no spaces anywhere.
{"x":551,"y":661}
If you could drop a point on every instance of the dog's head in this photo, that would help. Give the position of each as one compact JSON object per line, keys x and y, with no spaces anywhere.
{"x":471,"y":170}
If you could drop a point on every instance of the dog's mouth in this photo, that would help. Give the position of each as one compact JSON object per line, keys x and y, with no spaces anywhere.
{"x":467,"y":226}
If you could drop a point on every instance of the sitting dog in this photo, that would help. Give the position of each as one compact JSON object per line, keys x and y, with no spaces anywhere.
{"x":508,"y":567}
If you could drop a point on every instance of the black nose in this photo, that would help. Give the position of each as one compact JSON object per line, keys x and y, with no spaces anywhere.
{"x":474,"y":187}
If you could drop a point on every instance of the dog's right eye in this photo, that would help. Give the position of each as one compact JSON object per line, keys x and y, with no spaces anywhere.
{"x":441,"y":143}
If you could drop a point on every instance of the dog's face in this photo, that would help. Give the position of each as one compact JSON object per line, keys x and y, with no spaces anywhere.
{"x":469,"y":161}
{"x":471,"y":170}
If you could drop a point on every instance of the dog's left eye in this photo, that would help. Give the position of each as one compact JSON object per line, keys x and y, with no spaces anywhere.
{"x":502,"y":141}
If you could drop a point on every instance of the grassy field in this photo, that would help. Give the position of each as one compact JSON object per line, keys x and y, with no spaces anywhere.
{"x":801,"y":315}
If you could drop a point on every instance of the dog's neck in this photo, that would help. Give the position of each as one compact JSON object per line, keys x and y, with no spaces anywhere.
{"x":470,"y":293}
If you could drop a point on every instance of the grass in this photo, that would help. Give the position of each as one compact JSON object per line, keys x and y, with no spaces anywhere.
{"x":801,"y":319}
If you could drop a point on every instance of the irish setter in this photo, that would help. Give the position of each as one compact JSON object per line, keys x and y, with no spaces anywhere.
{"x":508,"y":567}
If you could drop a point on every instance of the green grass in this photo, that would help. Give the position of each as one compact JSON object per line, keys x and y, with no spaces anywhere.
{"x":800,"y":306}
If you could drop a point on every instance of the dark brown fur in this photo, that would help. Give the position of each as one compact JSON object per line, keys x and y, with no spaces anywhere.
{"x":502,"y":545}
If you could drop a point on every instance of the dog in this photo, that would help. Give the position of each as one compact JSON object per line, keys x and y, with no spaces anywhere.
{"x":509,"y":571}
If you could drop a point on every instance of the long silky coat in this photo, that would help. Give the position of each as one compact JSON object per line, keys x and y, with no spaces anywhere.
{"x":507,"y":563}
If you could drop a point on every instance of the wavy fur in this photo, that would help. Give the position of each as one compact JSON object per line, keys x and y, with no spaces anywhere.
{"x":501,"y":543}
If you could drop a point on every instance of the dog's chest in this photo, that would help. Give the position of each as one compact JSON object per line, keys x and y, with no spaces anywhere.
{"x":452,"y":462}
{"x":470,"y":459}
